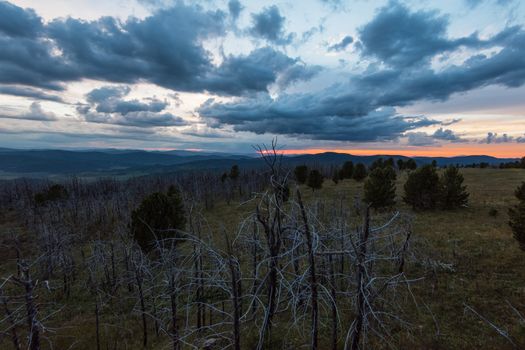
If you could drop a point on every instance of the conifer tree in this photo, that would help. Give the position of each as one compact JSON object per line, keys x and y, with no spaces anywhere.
{"x":347,"y":170}
{"x":301,"y":173}
{"x":360,"y":172}
{"x":422,"y":189}
{"x":158,"y":217}
{"x":517,"y":217}
{"x":380,"y":188}
{"x":315,"y":180}
{"x":453,"y":193}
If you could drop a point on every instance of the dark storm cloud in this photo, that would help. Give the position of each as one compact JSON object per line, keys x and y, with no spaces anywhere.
{"x":17,"y":22}
{"x":255,"y":71}
{"x":269,"y":25}
{"x":322,"y":117}
{"x":401,"y":38}
{"x":29,"y":92}
{"x":341,"y":45}
{"x":344,"y":111}
{"x":165,"y":48}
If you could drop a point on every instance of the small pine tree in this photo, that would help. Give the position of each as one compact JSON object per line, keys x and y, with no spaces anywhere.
{"x":454,"y":193}
{"x":380,"y":188}
{"x":422,"y":189}
{"x":400,"y":164}
{"x":410,"y":164}
{"x":315,"y":180}
{"x":158,"y":217}
{"x":234,"y":172}
{"x":347,"y":170}
{"x":517,"y":223}
{"x":520,"y":192}
{"x":335,"y":176}
{"x":378,"y":163}
{"x":301,"y":173}
{"x":54,"y":193}
{"x":360,"y":172}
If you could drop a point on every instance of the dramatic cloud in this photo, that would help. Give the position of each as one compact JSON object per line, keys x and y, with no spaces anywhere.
{"x":165,"y":48}
{"x":235,"y":8}
{"x":35,"y":113}
{"x":17,"y":22}
{"x":346,"y":107}
{"x":447,"y":135}
{"x":29,"y":92}
{"x":269,"y":25}
{"x":106,"y":105}
{"x":313,"y":116}
{"x":401,"y":38}
{"x":341,"y":45}
{"x":143,"y":119}
{"x":424,"y":139}
{"x":493,"y":137}
{"x":256,"y":71}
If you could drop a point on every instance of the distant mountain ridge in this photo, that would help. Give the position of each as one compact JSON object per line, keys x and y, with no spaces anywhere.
{"x":110,"y":162}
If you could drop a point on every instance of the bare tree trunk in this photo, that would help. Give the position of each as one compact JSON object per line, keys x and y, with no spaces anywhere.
{"x":97,"y":324}
{"x":34,"y":333}
{"x":11,"y":320}
{"x":361,"y":297}
{"x":334,"y":302}
{"x":313,"y":277}
{"x":174,"y":326}
{"x":142,"y":309}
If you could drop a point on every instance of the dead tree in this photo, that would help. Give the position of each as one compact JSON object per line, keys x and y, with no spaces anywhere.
{"x":313,"y":277}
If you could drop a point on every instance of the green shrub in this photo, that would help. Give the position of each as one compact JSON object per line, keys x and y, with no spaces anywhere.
{"x":422,"y":189}
{"x":453,"y":193}
{"x":380,"y":188}
{"x":158,"y":217}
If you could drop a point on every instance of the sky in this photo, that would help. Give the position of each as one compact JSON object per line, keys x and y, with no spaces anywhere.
{"x":413,"y":77}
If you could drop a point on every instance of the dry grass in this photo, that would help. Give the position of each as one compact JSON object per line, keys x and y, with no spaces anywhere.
{"x":488,"y":271}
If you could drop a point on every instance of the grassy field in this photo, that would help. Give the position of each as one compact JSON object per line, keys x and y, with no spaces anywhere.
{"x":486,"y":271}
{"x":488,"y":268}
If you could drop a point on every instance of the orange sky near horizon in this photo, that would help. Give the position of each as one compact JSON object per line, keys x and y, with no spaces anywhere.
{"x":500,"y":150}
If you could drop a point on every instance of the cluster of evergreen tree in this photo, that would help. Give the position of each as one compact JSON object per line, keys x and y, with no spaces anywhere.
{"x":517,"y":216}
{"x":52,"y":193}
{"x":425,"y":189}
{"x":312,"y":178}
{"x":519,"y":164}
{"x":380,"y":187}
{"x":159,"y":216}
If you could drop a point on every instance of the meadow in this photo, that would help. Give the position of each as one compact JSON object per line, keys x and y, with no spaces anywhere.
{"x":469,"y":294}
